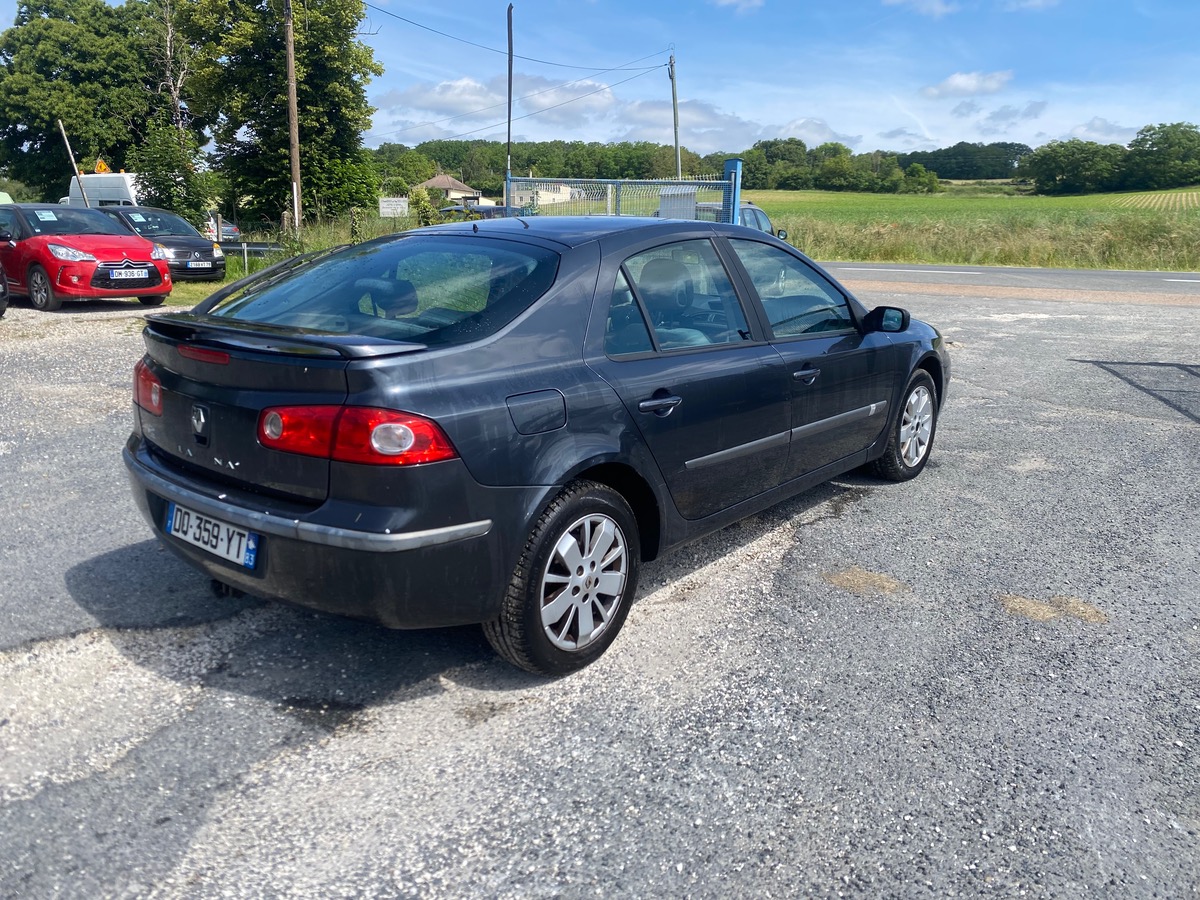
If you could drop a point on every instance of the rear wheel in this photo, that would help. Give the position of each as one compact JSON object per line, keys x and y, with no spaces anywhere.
{"x":41,"y":292}
{"x":573,"y":585}
{"x":912,"y":433}
{"x":153,"y":300}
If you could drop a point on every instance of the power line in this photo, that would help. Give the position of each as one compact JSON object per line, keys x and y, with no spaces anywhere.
{"x":543,"y":62}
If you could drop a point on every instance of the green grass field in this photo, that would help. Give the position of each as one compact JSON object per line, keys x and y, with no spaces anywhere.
{"x":1156,"y":231}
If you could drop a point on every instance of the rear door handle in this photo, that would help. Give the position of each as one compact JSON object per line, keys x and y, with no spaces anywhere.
{"x":661,"y":406}
{"x":808,"y":376}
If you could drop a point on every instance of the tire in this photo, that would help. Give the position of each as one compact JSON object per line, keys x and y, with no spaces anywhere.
{"x":153,"y":300}
{"x":580,"y":565}
{"x":911,"y":437}
{"x":41,"y":291}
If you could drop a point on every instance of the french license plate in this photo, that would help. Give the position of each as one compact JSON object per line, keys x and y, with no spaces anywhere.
{"x":217,"y":537}
{"x":117,"y":274}
{"x":199,"y":264}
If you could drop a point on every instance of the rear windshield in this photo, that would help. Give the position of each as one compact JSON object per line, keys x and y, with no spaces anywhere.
{"x":427,"y":289}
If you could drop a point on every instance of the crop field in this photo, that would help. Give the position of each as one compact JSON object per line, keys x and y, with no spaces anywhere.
{"x":1182,"y":199}
{"x":1158,"y":231}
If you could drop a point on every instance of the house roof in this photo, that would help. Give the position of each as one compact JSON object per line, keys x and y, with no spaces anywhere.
{"x":447,"y":183}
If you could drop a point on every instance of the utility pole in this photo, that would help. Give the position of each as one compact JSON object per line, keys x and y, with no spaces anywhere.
{"x":675,"y":108}
{"x":293,"y":113}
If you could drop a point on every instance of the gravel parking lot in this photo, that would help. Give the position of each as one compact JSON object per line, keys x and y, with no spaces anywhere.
{"x":983,"y":682}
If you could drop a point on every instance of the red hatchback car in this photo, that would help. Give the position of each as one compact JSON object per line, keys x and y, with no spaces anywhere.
{"x":52,"y":253}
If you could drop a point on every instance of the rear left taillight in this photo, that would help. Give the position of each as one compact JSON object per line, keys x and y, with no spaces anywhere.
{"x":147,"y":389}
{"x":355,"y":434}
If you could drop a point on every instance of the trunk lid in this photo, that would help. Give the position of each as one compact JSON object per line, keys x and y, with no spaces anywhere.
{"x":217,"y":377}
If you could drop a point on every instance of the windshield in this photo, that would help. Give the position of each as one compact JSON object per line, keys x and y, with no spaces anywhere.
{"x":160,"y":224}
{"x":68,"y":220}
{"x":427,"y":289}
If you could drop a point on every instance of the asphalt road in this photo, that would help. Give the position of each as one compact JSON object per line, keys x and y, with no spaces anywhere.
{"x":984,"y":682}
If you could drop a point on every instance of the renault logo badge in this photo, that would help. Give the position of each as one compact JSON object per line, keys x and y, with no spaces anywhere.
{"x":199,"y":420}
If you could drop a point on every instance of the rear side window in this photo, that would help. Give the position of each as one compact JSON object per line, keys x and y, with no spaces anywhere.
{"x":683,"y":292}
{"x":426,"y":289}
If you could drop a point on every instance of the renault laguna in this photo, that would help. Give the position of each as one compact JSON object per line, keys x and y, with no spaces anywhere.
{"x":498,"y":422}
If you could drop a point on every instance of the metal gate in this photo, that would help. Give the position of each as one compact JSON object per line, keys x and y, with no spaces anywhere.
{"x":715,"y":199}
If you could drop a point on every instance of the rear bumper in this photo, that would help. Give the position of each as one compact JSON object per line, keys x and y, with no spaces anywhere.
{"x":448,"y":575}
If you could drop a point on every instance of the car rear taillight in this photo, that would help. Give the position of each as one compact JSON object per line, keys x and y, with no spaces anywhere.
{"x":356,"y":434}
{"x":147,"y":389}
{"x":203,"y":354}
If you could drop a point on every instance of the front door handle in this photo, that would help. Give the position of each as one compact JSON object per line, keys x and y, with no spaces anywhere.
{"x":660,"y":406}
{"x":808,"y":376}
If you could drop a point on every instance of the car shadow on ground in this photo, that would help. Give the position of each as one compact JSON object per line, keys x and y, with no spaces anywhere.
{"x":164,"y":616}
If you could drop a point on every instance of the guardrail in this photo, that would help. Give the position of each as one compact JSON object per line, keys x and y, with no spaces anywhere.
{"x":250,"y":248}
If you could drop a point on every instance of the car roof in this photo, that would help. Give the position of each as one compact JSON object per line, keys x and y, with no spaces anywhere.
{"x":569,"y":230}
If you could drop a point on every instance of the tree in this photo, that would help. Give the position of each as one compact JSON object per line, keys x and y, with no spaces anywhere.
{"x":918,"y":180}
{"x":240,"y":84}
{"x":1164,"y":156}
{"x":71,"y":60}
{"x":168,"y":167}
{"x":1074,"y":167}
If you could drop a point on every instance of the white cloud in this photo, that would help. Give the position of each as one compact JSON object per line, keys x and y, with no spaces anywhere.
{"x":935,"y":8}
{"x":815,"y":132}
{"x":1018,"y":5}
{"x":965,"y":109}
{"x":1103,"y":131}
{"x":464,"y":96}
{"x":904,"y":139}
{"x":967,"y":84}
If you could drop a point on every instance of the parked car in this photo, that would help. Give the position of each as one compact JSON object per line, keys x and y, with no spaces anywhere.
{"x":190,"y":255}
{"x":748,"y":214}
{"x":498,"y":422}
{"x":229,"y":229}
{"x":54,"y":252}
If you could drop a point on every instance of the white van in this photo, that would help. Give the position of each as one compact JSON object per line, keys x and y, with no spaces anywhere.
{"x":108,"y":189}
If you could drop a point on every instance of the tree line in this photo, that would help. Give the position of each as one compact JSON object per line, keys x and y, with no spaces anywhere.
{"x":1160,"y":157}
{"x":147,"y":84}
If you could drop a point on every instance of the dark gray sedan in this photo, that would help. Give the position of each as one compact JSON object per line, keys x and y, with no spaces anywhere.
{"x":190,"y":255}
{"x":497,"y":422}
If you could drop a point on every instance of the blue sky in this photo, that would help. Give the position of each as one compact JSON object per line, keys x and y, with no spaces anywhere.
{"x":873,"y":74}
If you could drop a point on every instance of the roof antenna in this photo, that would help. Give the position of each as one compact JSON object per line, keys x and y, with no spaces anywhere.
{"x":521,"y":219}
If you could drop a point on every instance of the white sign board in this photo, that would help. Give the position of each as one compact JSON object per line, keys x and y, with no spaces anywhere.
{"x":393,"y":207}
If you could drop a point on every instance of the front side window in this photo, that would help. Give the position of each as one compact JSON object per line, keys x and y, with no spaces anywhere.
{"x":431,"y":290}
{"x":686,"y":295}
{"x":797,"y":300}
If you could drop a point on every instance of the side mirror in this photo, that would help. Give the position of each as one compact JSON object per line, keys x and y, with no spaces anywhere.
{"x":5,"y":237}
{"x":781,"y":234}
{"x":890,"y":319}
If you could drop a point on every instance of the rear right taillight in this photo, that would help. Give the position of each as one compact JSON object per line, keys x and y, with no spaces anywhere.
{"x":356,"y":434}
{"x":147,"y":389}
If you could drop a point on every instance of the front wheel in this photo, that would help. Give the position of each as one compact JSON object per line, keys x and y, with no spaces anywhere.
{"x":912,"y":433}
{"x":152,"y":300}
{"x":573,"y":585}
{"x":41,"y":291}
